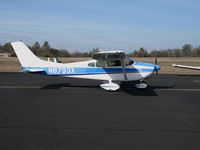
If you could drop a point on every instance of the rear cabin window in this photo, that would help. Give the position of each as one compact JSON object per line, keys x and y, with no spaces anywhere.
{"x":114,"y":63}
{"x":92,"y":64}
{"x":101,"y":63}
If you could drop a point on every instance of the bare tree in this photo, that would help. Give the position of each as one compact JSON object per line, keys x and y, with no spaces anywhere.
{"x":36,"y":48}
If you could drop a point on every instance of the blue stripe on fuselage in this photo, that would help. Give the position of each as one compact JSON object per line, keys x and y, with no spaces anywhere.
{"x":70,"y":71}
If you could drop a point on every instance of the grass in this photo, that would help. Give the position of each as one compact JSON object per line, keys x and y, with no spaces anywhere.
{"x":13,"y":65}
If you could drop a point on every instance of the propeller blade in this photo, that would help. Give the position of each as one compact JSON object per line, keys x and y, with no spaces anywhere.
{"x":156,"y":60}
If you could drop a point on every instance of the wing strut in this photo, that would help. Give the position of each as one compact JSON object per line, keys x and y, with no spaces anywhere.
{"x":123,"y":67}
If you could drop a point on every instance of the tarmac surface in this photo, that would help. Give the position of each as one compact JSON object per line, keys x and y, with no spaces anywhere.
{"x":54,"y":113}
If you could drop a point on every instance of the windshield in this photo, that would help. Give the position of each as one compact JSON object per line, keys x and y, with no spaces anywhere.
{"x":128,"y":61}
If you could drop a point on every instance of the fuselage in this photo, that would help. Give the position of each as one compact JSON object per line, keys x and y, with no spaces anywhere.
{"x":90,"y":70}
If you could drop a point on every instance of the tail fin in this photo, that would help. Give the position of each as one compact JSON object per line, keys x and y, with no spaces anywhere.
{"x":25,"y":56}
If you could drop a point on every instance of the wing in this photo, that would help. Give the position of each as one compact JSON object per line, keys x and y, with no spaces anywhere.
{"x":109,"y":55}
{"x":186,"y":67}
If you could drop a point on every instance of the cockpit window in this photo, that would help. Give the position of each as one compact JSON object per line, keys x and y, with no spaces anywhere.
{"x":92,"y":64}
{"x":128,"y":61}
{"x":112,"y":63}
{"x":101,"y":63}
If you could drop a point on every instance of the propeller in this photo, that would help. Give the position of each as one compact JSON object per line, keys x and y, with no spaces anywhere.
{"x":156,"y":63}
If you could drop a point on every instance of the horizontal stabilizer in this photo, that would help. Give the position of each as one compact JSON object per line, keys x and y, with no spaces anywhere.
{"x":40,"y":71}
{"x":36,"y":70}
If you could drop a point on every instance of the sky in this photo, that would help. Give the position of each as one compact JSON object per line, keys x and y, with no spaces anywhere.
{"x":81,"y":25}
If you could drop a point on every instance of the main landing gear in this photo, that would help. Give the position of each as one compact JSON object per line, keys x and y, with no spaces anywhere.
{"x":111,"y":86}
{"x":141,"y":85}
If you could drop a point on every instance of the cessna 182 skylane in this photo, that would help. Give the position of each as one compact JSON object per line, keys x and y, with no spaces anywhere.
{"x":113,"y":67}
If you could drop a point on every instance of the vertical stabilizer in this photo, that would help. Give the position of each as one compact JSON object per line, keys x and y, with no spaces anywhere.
{"x":25,"y":56}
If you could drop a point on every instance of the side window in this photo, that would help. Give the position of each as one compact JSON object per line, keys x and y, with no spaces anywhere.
{"x":112,"y":63}
{"x":101,"y":63}
{"x":91,"y":64}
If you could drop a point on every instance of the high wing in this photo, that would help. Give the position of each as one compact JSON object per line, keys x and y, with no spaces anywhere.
{"x":112,"y":55}
{"x":109,"y":55}
{"x":186,"y":67}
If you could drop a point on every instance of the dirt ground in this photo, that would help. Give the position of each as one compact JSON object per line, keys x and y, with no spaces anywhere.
{"x":12,"y":64}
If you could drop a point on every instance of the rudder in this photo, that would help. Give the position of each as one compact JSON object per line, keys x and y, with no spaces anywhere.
{"x":24,"y":54}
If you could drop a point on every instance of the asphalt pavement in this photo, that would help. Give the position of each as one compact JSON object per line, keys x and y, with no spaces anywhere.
{"x":54,"y":113}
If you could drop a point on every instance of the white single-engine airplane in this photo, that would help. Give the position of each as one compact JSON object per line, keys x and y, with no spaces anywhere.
{"x":113,"y":67}
{"x":186,"y":67}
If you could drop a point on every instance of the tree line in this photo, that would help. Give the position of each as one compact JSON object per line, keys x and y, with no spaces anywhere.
{"x":186,"y":51}
{"x":45,"y":50}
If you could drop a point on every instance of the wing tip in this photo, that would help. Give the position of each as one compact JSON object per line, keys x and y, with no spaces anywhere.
{"x":174,"y":65}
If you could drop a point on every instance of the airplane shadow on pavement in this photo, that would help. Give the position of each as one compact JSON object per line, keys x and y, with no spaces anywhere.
{"x":130,"y":89}
{"x":127,"y":88}
{"x":65,"y":85}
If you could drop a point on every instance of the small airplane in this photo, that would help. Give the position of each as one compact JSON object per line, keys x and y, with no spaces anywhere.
{"x":186,"y":67}
{"x":113,"y":67}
